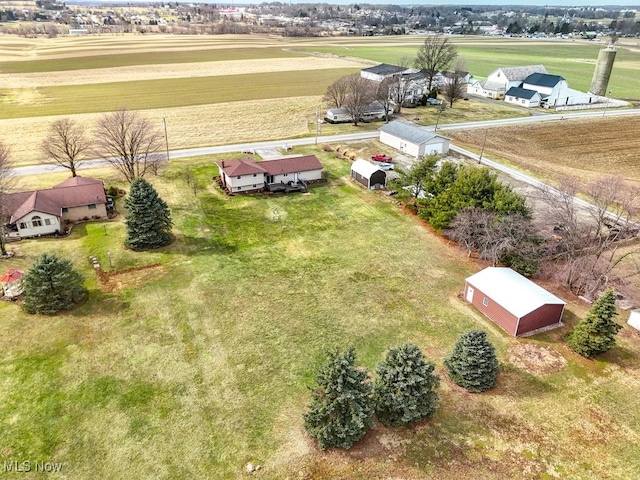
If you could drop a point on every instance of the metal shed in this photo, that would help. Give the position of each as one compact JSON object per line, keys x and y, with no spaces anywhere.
{"x":368,"y":174}
{"x":413,"y":140}
{"x":514,"y":302}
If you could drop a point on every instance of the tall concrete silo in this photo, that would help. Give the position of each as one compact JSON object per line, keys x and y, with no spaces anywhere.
{"x":603,"y":69}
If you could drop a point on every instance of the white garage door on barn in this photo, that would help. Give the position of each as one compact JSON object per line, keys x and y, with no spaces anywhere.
{"x":412,"y":139}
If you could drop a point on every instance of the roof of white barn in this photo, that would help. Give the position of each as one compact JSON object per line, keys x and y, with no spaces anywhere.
{"x":522,"y":72}
{"x":411,"y":133}
{"x":512,"y":291}
{"x":364,"y":168}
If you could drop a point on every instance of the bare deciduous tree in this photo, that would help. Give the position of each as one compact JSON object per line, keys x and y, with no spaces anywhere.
{"x":65,"y":144}
{"x":434,"y":55}
{"x":129,"y":142}
{"x":337,"y":93}
{"x":383,"y":95}
{"x":7,"y":182}
{"x":455,"y":87}
{"x":360,"y":94}
{"x":591,"y":235}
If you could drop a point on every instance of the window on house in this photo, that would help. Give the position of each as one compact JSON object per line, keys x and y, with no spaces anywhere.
{"x":23,"y":225}
{"x":485,"y":301}
{"x":238,"y":177}
{"x":47,"y":221}
{"x":65,"y":209}
{"x":238,"y":188}
{"x":254,"y":185}
{"x":285,"y":175}
{"x":36,"y":221}
{"x":92,"y":206}
{"x":255,"y":174}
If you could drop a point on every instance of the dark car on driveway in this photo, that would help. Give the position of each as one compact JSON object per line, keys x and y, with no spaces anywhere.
{"x":381,"y":157}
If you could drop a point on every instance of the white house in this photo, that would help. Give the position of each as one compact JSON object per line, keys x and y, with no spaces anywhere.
{"x":43,"y":212}
{"x":502,"y":79}
{"x":523,"y":97}
{"x":413,"y":140}
{"x":245,"y":175}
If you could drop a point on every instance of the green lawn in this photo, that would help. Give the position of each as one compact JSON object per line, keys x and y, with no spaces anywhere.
{"x":167,"y":93}
{"x":195,"y":367}
{"x":148,"y":58}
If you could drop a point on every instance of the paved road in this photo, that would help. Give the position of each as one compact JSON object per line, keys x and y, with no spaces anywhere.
{"x":245,"y":147}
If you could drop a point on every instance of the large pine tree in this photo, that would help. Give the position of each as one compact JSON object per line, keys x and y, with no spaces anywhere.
{"x":148,"y":218}
{"x":340,"y":412}
{"x":406,"y":389}
{"x":51,"y":285}
{"x":596,"y":333}
{"x":473,"y":363}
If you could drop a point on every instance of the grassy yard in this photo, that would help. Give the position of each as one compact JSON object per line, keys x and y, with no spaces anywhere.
{"x":200,"y":362}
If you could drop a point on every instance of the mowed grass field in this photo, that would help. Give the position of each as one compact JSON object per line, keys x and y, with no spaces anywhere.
{"x":201,"y":362}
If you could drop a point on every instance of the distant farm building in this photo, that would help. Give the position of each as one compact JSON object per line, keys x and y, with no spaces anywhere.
{"x":371,"y":113}
{"x":514,"y":302}
{"x":413,"y":140}
{"x":368,"y":174}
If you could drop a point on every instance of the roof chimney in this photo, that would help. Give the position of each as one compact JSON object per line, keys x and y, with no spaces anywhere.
{"x":222,"y":164}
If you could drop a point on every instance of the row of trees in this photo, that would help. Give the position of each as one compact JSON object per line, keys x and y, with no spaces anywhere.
{"x":125,"y":139}
{"x":404,"y":391}
{"x":469,"y":205}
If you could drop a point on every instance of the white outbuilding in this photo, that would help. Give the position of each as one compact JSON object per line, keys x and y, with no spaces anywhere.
{"x":368,"y":174}
{"x":634,"y":319}
{"x":412,"y":139}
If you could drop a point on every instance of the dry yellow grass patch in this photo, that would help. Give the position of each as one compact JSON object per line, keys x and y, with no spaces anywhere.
{"x":187,"y":127}
{"x":177,"y":70}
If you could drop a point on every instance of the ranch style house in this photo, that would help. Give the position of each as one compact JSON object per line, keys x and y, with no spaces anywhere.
{"x":245,"y":175}
{"x":43,"y":212}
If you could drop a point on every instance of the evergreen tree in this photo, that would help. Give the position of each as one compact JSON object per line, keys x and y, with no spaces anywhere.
{"x":51,"y":285}
{"x":148,"y":218}
{"x":596,"y":333}
{"x":340,"y":412}
{"x":406,"y":388}
{"x":473,"y":364}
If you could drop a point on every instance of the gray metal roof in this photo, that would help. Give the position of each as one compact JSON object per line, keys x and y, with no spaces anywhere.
{"x":543,"y":80}
{"x":384,"y":69}
{"x":408,"y":132}
{"x":520,"y":73}
{"x":521,"y":93}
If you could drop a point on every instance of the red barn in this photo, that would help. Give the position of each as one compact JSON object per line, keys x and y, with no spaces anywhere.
{"x":512,"y":301}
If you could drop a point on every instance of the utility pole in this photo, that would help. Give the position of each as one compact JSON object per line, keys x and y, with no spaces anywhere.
{"x":483,"y":144}
{"x":317,"y":123}
{"x":607,"y":104}
{"x":441,"y":108}
{"x":166,"y":138}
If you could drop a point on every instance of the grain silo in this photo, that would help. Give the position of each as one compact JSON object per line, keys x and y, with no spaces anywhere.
{"x":603,"y":69}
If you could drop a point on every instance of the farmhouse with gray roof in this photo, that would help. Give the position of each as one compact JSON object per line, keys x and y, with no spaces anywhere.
{"x":412,"y":139}
{"x":379,"y":72}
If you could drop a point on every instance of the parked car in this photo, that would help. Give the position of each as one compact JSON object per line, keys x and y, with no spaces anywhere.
{"x":385,"y":166}
{"x":433,"y":101}
{"x":380,"y":157}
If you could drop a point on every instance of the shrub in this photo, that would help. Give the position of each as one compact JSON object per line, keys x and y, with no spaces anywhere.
{"x":473,"y":364}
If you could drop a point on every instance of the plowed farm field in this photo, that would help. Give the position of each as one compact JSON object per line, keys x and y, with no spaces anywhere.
{"x":587,"y":147}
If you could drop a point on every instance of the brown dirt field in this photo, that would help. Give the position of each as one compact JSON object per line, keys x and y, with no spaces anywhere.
{"x":536,"y":359}
{"x":585,"y":147}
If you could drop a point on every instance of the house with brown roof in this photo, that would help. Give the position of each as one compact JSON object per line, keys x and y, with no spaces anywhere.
{"x":245,"y":175}
{"x":43,"y":212}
